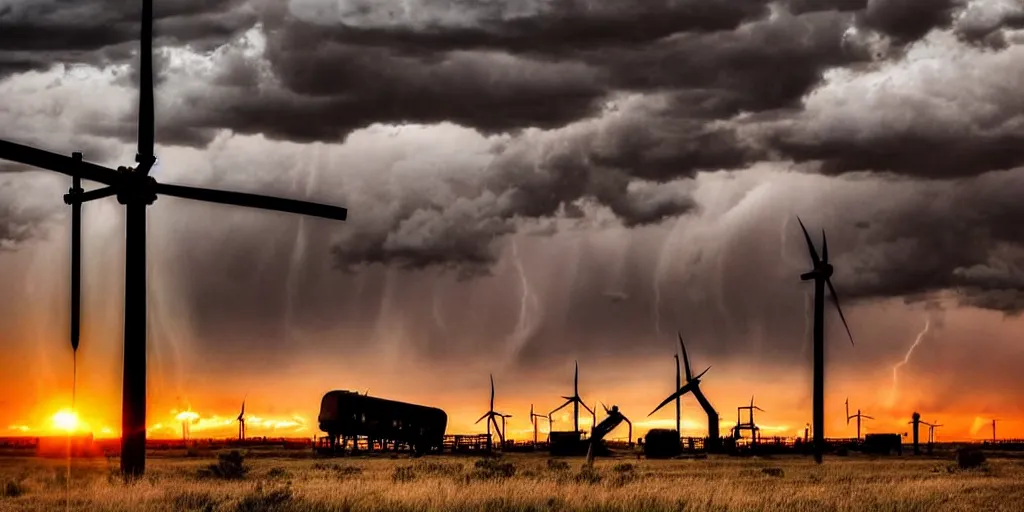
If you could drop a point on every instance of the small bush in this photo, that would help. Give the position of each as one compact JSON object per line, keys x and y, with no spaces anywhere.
{"x":969,"y":458}
{"x":229,"y":466}
{"x":278,"y":473}
{"x":13,"y":489}
{"x":442,"y":468}
{"x":493,"y":468}
{"x":588,"y":475}
{"x":194,"y":501}
{"x":262,"y":501}
{"x":773,"y":472}
{"x":624,"y":474}
{"x":403,"y":474}
{"x":558,"y":465}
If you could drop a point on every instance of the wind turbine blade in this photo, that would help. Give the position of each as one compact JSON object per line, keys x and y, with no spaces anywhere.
{"x":146,"y":114}
{"x":486,"y":414}
{"x":531,"y":410}
{"x":810,"y":245}
{"x":576,"y":379}
{"x":847,"y":410}
{"x":682,"y":391}
{"x":835,"y":300}
{"x":560,"y":407}
{"x":759,"y":409}
{"x":65,"y":165}
{"x":824,"y":247}
{"x":591,"y":411}
{"x":253,"y":201}
{"x":701,"y":374}
{"x":686,"y":360}
{"x":606,"y":411}
{"x":492,"y":392}
{"x":867,"y":417}
{"x":76,"y":261}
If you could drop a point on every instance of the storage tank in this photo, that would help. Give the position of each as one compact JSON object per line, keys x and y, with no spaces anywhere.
{"x":348,"y":413}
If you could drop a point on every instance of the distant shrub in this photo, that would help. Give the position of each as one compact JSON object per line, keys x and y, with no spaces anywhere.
{"x":403,"y":474}
{"x":191,"y":451}
{"x":588,"y":475}
{"x":278,"y":499}
{"x":558,"y":465}
{"x":773,"y":472}
{"x":193,"y":501}
{"x":624,"y":474}
{"x":229,"y":466}
{"x":493,"y":468}
{"x":13,"y":489}
{"x":278,"y":473}
{"x":969,"y":458}
{"x":341,"y":470}
{"x":441,"y":468}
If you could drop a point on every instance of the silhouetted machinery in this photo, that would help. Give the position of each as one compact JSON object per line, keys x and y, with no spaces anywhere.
{"x":883,"y":444}
{"x":347,"y":414}
{"x":662,"y":443}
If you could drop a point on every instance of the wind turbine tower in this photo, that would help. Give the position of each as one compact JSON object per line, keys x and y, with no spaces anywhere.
{"x":821,"y":274}
{"x":859,"y":416}
{"x":575,"y":400}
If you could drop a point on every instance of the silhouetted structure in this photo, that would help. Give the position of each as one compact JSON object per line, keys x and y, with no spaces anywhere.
{"x":679,"y":399}
{"x":994,"y":429}
{"x":491,"y":416}
{"x":241,"y":422}
{"x":614,"y":419}
{"x":533,"y":419}
{"x":347,"y":414}
{"x":575,"y":399}
{"x":916,"y":422}
{"x":136,"y":189}
{"x":693,"y":385}
{"x":740,"y":426}
{"x":821,"y":274}
{"x":883,"y":444}
{"x":859,"y":416}
{"x":661,"y":443}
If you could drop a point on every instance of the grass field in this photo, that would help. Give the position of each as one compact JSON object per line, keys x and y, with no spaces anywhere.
{"x":517,"y":483}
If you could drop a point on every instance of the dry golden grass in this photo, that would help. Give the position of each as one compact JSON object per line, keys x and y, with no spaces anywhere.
{"x":457,"y":484}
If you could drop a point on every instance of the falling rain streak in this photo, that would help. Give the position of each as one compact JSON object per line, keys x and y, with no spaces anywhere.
{"x":526,"y":323}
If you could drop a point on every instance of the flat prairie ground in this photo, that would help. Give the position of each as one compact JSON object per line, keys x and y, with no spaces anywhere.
{"x":517,"y":482}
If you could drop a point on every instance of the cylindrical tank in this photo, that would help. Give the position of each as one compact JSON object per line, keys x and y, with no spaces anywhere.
{"x":347,"y":413}
{"x":662,"y":443}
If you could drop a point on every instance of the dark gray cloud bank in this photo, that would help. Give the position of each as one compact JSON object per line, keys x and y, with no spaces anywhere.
{"x":656,"y":151}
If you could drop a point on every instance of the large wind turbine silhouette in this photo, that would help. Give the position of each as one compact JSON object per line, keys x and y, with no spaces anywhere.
{"x":575,"y":400}
{"x":859,"y":416}
{"x":136,"y":189}
{"x":693,"y":385}
{"x":533,"y":419}
{"x":492,"y":419}
{"x":821,"y":274}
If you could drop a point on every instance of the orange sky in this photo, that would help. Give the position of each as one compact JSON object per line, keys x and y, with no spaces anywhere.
{"x":287,"y":405}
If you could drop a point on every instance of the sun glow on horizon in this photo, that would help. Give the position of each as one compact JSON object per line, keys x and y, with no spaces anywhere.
{"x":67,"y":420}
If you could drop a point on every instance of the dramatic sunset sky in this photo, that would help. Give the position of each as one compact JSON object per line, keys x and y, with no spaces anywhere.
{"x":529,"y":183}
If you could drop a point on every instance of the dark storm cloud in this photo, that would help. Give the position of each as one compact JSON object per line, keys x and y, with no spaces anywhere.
{"x":908,"y":20}
{"x":928,"y":237}
{"x":546,"y":28}
{"x":35,"y":34}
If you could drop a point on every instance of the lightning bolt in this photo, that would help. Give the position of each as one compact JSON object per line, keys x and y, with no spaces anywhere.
{"x":526,"y":324}
{"x":906,"y":358}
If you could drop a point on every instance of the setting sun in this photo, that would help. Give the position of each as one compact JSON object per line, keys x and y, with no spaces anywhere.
{"x":66,"y":420}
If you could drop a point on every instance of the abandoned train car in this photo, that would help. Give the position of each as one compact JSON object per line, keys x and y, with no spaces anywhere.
{"x":349,"y":414}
